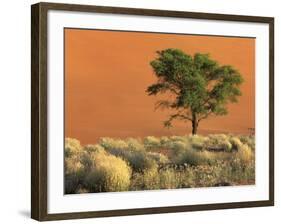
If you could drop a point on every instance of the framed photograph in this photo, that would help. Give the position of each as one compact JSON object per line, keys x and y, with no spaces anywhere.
{"x":140,"y":111}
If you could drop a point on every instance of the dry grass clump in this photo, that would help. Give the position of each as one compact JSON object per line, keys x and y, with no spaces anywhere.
{"x":176,"y":144}
{"x":108,"y":173}
{"x":74,"y":169}
{"x":110,"y":143}
{"x":235,"y":142}
{"x":138,"y":160}
{"x":92,"y":169}
{"x":248,"y":140}
{"x":72,"y":146}
{"x":158,"y":157}
{"x":218,"y":142}
{"x":164,"y":140}
{"x":197,"y":141}
{"x":93,"y":148}
{"x":168,"y":179}
{"x":131,"y":144}
{"x":195,"y":158}
{"x":150,"y":179}
{"x":243,"y":151}
{"x":151,"y":142}
{"x":159,"y":163}
{"x":245,"y":154}
{"x":135,"y":144}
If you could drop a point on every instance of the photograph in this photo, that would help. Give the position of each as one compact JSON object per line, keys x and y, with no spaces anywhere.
{"x":147,"y":111}
{"x":157,"y":111}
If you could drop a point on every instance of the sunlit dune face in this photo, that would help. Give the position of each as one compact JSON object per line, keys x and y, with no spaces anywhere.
{"x":107,"y":73}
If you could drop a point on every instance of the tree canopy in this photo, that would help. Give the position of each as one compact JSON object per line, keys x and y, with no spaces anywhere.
{"x":201,"y":87}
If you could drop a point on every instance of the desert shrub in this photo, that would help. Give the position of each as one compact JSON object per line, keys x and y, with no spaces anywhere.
{"x":158,"y":157}
{"x":93,"y":148}
{"x":124,"y":154}
{"x":138,"y":160}
{"x":151,"y":142}
{"x":218,"y":142}
{"x":72,"y":146}
{"x":134,"y":144}
{"x":164,"y":140}
{"x":129,"y":144}
{"x":176,"y":162}
{"x":71,"y":183}
{"x":197,"y":141}
{"x":177,"y":144}
{"x":73,"y":164}
{"x":242,"y":172}
{"x":236,"y":143}
{"x":177,"y":138}
{"x":248,"y":140}
{"x":151,"y":179}
{"x":186,"y":179}
{"x":244,"y":153}
{"x":136,"y":182}
{"x":168,"y":179}
{"x":108,"y":173}
{"x":195,"y":158}
{"x":73,"y":168}
{"x":86,"y":158}
{"x":222,"y":174}
{"x":204,"y":176}
{"x":147,"y":180}
{"x":110,"y":143}
{"x":222,"y":156}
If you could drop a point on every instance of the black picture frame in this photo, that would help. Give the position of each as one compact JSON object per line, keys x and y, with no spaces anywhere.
{"x":39,"y":108}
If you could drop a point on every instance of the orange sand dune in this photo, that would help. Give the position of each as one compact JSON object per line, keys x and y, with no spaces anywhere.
{"x":107,"y":73}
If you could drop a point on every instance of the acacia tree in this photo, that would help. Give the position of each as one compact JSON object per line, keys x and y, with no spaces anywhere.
{"x":199,"y":86}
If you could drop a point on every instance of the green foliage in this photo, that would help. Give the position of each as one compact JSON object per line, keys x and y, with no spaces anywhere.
{"x":200,"y":85}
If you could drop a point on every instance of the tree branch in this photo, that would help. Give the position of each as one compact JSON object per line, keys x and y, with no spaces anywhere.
{"x":205,"y":116}
{"x":179,"y":116}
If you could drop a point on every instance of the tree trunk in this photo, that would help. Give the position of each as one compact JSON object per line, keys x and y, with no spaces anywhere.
{"x":194,"y":124}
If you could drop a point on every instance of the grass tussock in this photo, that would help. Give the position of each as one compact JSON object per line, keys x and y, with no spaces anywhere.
{"x":107,"y":173}
{"x":159,"y":163}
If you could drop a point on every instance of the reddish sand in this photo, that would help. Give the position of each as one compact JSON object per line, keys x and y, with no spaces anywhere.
{"x":107,"y":73}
